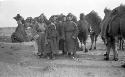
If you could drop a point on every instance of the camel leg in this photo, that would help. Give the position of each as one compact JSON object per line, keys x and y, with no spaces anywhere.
{"x":86,"y":49}
{"x":92,"y":41}
{"x":115,"y":52}
{"x":81,"y":46}
{"x":103,"y":39}
{"x":106,"y":48}
{"x":122,"y":44}
{"x":95,"y":41}
{"x":108,"y":51}
{"x":119,"y":44}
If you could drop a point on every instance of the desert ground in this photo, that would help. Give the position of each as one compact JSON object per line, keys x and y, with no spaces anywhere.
{"x":18,"y":60}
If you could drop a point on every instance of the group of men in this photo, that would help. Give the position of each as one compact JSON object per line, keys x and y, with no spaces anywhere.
{"x":58,"y":33}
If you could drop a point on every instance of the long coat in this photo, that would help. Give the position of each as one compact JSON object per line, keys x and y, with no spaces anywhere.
{"x":40,"y":28}
{"x":71,"y":33}
{"x":52,"y":38}
{"x":60,"y":30}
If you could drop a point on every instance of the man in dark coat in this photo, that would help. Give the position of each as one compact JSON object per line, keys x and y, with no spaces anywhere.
{"x":60,"y":29}
{"x":71,"y":33}
{"x":62,"y":35}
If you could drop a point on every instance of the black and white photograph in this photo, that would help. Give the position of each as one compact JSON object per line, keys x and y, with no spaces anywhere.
{"x":62,"y":38}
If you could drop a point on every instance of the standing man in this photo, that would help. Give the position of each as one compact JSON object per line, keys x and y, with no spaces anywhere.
{"x":40,"y":27}
{"x":71,"y":33}
{"x":52,"y":38}
{"x":74,"y":19}
{"x":60,"y":29}
{"x":62,"y":36}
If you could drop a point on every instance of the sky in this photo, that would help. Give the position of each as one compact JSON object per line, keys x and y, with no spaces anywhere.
{"x":33,"y":8}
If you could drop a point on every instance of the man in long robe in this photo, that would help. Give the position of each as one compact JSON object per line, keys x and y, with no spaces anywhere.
{"x":52,"y":39}
{"x":71,"y":33}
